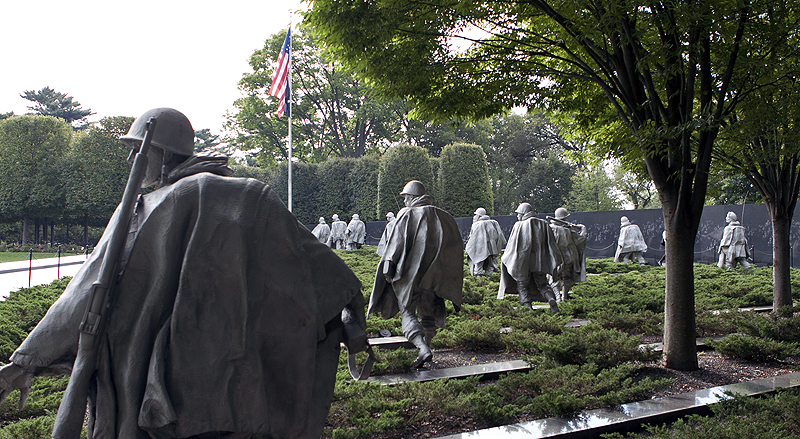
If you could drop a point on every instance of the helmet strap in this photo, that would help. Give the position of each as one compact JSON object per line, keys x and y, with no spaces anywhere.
{"x":167,"y":157}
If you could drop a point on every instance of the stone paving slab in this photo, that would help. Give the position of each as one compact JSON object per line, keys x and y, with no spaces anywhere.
{"x":628,"y":417}
{"x":488,"y":370}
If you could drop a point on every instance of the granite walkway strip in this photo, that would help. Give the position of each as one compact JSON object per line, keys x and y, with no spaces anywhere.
{"x":629,"y":417}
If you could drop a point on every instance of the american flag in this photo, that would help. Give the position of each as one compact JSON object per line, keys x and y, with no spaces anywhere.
{"x":280,"y":77}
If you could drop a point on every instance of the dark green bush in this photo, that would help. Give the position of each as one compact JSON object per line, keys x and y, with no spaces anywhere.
{"x":773,"y":417}
{"x":752,"y":348}
{"x":590,"y":344}
{"x":22,"y":310}
{"x":398,"y":166}
{"x":464,"y":180}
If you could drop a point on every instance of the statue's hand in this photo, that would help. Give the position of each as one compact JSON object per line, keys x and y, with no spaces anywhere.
{"x":14,"y":377}
{"x":389,"y":269}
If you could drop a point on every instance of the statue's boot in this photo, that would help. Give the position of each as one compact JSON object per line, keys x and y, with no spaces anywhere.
{"x":524,"y":296}
{"x":425,"y":355}
{"x":551,"y":300}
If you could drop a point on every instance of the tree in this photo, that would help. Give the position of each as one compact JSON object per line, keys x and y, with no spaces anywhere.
{"x":636,"y":188}
{"x":96,"y":170}
{"x":31,"y":151}
{"x":205,"y":141}
{"x":516,"y":142}
{"x":591,"y":191}
{"x":464,"y":180}
{"x":762,"y":141}
{"x":546,"y":184}
{"x":334,"y":114}
{"x":49,"y":102}
{"x":666,"y":72}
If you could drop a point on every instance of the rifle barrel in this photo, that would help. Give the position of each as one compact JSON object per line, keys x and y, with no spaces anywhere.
{"x":71,"y":411}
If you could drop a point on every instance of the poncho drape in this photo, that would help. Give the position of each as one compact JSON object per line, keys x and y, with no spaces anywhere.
{"x":426,"y":247}
{"x":226,"y":318}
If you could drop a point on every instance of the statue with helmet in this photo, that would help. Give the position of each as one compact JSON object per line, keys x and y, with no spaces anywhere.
{"x":571,"y":242}
{"x":337,"y":239}
{"x":484,"y":245}
{"x":223,"y":315}
{"x":386,"y":231}
{"x":733,"y":248}
{"x":630,"y":244}
{"x":355,"y":233}
{"x":531,"y":255}
{"x":421,"y":267}
{"x":322,"y":230}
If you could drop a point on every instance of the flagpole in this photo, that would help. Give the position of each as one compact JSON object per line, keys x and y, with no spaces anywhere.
{"x":289,"y":102}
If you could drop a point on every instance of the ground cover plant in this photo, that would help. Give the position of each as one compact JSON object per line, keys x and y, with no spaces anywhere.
{"x":574,"y":368}
{"x":773,"y":417}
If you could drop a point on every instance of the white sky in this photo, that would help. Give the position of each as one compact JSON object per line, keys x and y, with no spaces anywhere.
{"x":123,"y":58}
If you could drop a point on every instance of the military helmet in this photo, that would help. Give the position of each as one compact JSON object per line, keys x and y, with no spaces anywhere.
{"x":173,"y":133}
{"x":322,"y":220}
{"x":561,"y":213}
{"x":335,"y":217}
{"x":624,"y":221}
{"x":355,"y":216}
{"x":730,"y":217}
{"x":414,"y":187}
{"x":480,"y":211}
{"x":524,"y":208}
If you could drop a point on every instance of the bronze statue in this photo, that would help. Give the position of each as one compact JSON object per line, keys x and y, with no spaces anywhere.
{"x":226,"y":312}
{"x":531,"y":255}
{"x":421,"y":266}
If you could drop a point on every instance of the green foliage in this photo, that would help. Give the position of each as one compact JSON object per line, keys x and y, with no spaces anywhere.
{"x":772,"y":417}
{"x":31,"y":151}
{"x":752,"y":348}
{"x":265,"y":175}
{"x":48,"y":102}
{"x":607,"y":265}
{"x":305,"y":189}
{"x":546,"y":184}
{"x":96,"y":169}
{"x":22,"y":310}
{"x":334,"y":114}
{"x":464,"y":180}
{"x":335,"y":195}
{"x":590,"y":192}
{"x":591,"y":344}
{"x":362,"y":182}
{"x":398,"y":166}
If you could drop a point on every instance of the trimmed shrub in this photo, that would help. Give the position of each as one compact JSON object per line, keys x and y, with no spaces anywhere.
{"x":464,"y":180}
{"x":305,"y":189}
{"x":335,"y":195}
{"x":397,"y":167}
{"x":363,"y":184}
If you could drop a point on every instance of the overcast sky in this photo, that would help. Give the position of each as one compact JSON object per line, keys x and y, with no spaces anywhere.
{"x":123,"y":58}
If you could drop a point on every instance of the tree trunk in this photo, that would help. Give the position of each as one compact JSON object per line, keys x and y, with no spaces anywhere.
{"x":44,"y":230}
{"x":36,"y":231}
{"x":781,"y":279}
{"x":680,"y":347}
{"x":24,"y":230}
{"x":86,"y":230}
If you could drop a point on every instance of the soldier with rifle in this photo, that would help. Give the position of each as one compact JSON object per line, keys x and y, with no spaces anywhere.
{"x":206,"y":310}
{"x":571,"y":241}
